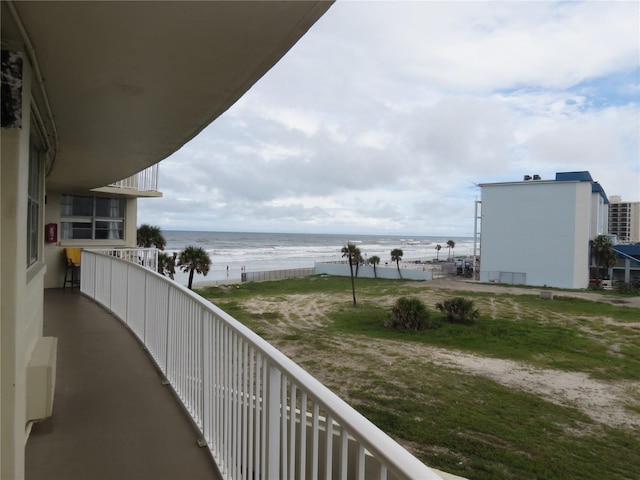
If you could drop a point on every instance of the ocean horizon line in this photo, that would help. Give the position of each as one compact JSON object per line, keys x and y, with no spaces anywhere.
{"x":387,"y":234}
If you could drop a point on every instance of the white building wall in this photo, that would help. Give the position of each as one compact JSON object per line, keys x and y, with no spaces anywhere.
{"x":585,"y":225}
{"x":536,"y":228}
{"x":599,"y":216}
{"x":21,"y":296}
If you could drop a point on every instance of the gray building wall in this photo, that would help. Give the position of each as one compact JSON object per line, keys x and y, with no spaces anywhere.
{"x":537,"y":228}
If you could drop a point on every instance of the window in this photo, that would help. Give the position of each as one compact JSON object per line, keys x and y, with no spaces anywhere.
{"x":33,"y":200}
{"x":91,"y":218}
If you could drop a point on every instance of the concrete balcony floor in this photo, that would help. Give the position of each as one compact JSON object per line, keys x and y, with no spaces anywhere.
{"x":112,"y":417}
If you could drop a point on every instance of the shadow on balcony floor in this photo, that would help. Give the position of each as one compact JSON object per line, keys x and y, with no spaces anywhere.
{"x":112,"y":417}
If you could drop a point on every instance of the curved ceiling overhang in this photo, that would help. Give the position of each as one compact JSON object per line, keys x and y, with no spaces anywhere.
{"x":129,"y":83}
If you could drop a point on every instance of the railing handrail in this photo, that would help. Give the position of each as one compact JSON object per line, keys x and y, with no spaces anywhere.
{"x":387,"y":451}
{"x":145,"y":180}
{"x":143,"y":256}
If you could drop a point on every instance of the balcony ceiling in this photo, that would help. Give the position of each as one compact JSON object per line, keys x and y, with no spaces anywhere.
{"x":129,"y":83}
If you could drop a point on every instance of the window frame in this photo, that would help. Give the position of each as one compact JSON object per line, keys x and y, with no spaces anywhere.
{"x":93,"y":221}
{"x":34,"y":201}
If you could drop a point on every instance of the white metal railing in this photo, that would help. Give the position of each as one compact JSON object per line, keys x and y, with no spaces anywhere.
{"x":261,"y":415}
{"x":145,"y":180}
{"x":145,"y":257}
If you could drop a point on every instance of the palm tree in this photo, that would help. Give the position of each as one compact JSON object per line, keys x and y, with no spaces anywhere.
{"x":194,"y":259}
{"x":374,"y":260}
{"x":450,"y":245}
{"x":171,"y":265}
{"x":603,"y":253}
{"x":353,"y":254}
{"x":396,"y":256}
{"x":438,"y":248}
{"x":357,"y":261}
{"x":167,"y":264}
{"x":163,"y":262}
{"x":149,"y":235}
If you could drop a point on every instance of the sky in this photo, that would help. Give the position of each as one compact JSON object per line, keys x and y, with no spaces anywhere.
{"x":385,"y":117}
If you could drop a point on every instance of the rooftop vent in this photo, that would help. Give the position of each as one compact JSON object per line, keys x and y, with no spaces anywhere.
{"x":537,"y":177}
{"x":527,"y":178}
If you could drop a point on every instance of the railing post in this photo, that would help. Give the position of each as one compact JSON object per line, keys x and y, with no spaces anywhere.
{"x":315,"y":429}
{"x":145,"y":301}
{"x":166,"y":336}
{"x":203,"y":384}
{"x":273,"y":424}
{"x":111,"y":285}
{"x":328,"y":448}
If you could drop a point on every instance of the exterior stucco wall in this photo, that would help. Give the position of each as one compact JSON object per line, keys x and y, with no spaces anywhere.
{"x":599,"y":216}
{"x":21,"y":300}
{"x":584,"y":227}
{"x":537,"y":228}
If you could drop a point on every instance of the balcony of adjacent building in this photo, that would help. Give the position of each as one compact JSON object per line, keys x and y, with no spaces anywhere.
{"x":155,"y":382}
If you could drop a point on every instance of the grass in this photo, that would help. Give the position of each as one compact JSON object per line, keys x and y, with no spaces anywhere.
{"x":465,"y":424}
{"x":563,"y":346}
{"x":566,"y":333}
{"x":473,"y":427}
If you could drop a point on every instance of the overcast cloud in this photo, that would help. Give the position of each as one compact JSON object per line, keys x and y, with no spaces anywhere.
{"x":385,"y":116}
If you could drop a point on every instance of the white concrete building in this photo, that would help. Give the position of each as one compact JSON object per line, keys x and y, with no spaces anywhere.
{"x":537,"y":232}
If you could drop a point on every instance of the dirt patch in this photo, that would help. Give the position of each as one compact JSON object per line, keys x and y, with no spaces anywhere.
{"x":603,"y":401}
{"x":600,"y":400}
{"x":458,"y":283}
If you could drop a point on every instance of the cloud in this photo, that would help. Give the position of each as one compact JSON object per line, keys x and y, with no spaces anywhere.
{"x":389,"y":126}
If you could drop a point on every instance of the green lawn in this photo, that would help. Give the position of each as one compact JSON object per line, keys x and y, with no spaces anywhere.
{"x":461,"y":423}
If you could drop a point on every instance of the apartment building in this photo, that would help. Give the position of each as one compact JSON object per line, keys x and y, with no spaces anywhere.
{"x":624,"y":220}
{"x":537,"y":231}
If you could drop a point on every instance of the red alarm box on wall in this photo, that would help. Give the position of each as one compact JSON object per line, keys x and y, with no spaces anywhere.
{"x":51,"y":232}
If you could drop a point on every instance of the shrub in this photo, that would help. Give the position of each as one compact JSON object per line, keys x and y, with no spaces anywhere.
{"x":627,"y":288}
{"x":409,"y":314}
{"x":459,"y":310}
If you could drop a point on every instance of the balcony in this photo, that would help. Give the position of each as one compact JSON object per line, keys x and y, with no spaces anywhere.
{"x":251,"y":407}
{"x":112,"y":416}
{"x":142,"y":184}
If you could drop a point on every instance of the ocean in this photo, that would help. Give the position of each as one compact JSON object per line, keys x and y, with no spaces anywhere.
{"x":256,"y":252}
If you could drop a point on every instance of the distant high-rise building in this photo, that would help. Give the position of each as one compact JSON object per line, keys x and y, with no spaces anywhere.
{"x":624,"y":220}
